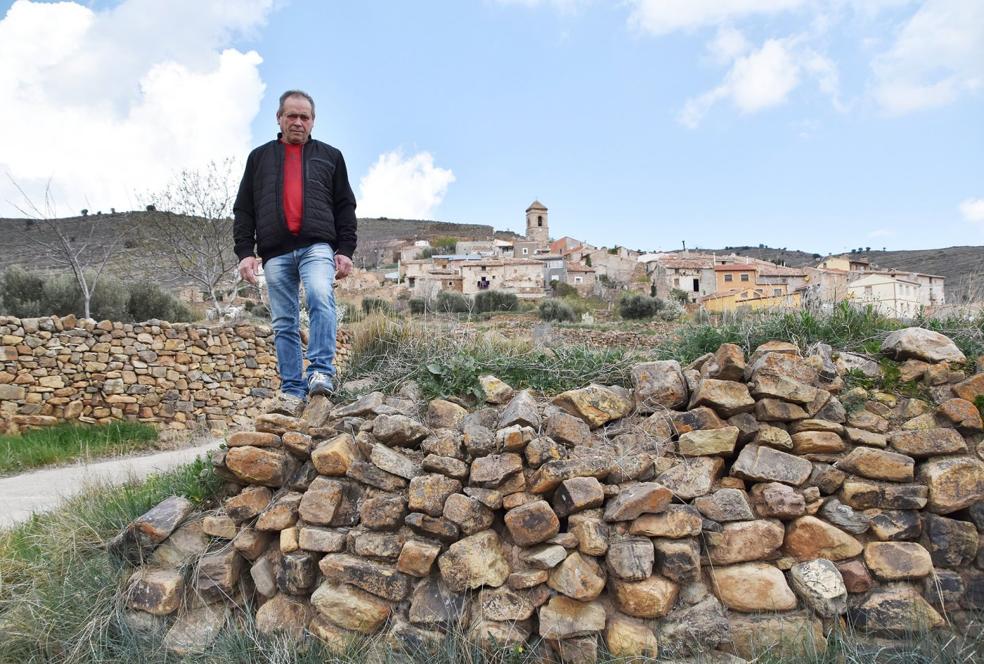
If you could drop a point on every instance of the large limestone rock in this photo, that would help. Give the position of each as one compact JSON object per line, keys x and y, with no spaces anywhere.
{"x":475,"y":561}
{"x":753,"y":587}
{"x":579,"y":577}
{"x":650,"y":598}
{"x":521,"y":410}
{"x":743,"y":541}
{"x":895,"y":608}
{"x":953,"y":483}
{"x":708,"y":442}
{"x":258,"y":465}
{"x":878,"y":464}
{"x":726,"y":397}
{"x":764,"y":464}
{"x":789,"y":637}
{"x":928,"y":442}
{"x":921,"y":344}
{"x":638,"y":499}
{"x":808,"y":537}
{"x":566,"y":618}
{"x":821,"y":586}
{"x":659,"y":385}
{"x":596,"y":404}
{"x":350,"y":608}
{"x":630,"y":638}
{"x":692,"y":477}
{"x":532,"y":523}
{"x":147,"y":531}
{"x":891,"y":561}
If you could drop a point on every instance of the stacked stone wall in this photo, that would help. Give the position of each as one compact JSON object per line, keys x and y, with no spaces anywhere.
{"x":177,"y":376}
{"x":733,"y":506}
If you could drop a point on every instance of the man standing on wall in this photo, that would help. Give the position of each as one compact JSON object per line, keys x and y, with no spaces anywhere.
{"x":296,"y":211}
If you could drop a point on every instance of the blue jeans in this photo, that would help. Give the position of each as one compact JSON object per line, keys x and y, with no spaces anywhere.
{"x":314,"y":266}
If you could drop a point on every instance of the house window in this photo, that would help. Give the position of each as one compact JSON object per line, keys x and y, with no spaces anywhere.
{"x":777,"y":292}
{"x":744,"y":277}
{"x":539,"y":220}
{"x":696,"y":285}
{"x":484,"y":268}
{"x":411,"y":281}
{"x":578,"y":280}
{"x":676,"y":282}
{"x":450,"y":283}
{"x":729,"y":277}
{"x":554,"y":277}
{"x":526,"y":251}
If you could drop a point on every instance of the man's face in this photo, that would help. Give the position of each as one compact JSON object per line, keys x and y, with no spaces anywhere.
{"x":296,"y":120}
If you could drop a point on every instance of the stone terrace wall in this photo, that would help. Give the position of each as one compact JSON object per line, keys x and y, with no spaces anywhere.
{"x":180,"y":376}
{"x":727,"y":507}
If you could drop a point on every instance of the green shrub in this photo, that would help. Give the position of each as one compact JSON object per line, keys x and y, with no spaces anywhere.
{"x":374,"y":304}
{"x":556,"y":310}
{"x":148,"y":301}
{"x":562,"y":289}
{"x":452,"y":303}
{"x":418,"y":305}
{"x":680,"y":295}
{"x":639,"y":306}
{"x":492,"y":300}
{"x":21,"y":292}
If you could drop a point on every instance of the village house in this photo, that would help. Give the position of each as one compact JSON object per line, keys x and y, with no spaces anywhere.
{"x":414,"y":251}
{"x":890,"y":295}
{"x":581,"y":277}
{"x":524,"y":278}
{"x":691,"y":273}
{"x":618,"y":264}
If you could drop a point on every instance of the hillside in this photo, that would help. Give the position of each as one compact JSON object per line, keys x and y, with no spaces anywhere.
{"x":21,"y":240}
{"x":963,"y":267}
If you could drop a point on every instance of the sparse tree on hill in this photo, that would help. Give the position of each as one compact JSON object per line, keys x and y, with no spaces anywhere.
{"x":70,"y":244}
{"x":191,"y":228}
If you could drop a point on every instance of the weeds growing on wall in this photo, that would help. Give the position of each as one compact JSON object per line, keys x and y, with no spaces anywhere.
{"x":393,"y":351}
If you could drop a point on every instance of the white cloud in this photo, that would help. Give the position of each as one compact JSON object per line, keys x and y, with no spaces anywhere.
{"x":109,"y":103}
{"x":660,"y":17}
{"x":765,"y":77}
{"x":972,"y":210}
{"x":759,"y":80}
{"x":727,"y":45}
{"x":403,"y":187}
{"x":937,"y":56}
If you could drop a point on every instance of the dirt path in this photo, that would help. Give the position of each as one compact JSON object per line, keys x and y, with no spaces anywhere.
{"x":42,"y":490}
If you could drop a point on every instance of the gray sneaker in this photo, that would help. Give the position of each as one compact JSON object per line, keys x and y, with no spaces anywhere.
{"x":285,"y":404}
{"x":319,"y":383}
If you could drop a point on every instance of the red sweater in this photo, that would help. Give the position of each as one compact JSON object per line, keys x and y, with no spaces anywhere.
{"x":293,"y":186}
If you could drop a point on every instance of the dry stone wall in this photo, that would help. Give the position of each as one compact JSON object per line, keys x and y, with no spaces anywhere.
{"x":179,"y":376}
{"x":734,"y":505}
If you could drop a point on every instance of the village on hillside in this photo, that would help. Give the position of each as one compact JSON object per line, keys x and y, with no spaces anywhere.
{"x":531,"y":266}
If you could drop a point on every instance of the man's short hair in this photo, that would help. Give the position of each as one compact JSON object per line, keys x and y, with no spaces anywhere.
{"x":294,"y":93}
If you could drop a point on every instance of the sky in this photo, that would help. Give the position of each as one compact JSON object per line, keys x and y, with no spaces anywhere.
{"x":820,"y":125}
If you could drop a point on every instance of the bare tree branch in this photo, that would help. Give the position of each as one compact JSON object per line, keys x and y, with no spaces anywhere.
{"x":192,"y":230}
{"x":86,"y":259}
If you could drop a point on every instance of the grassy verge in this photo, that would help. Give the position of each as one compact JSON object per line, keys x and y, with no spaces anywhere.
{"x":58,"y":588}
{"x":67,"y":442}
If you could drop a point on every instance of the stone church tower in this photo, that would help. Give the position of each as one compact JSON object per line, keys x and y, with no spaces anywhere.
{"x":537,"y":228}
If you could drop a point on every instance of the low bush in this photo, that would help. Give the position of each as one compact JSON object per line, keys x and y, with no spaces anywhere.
{"x":639,"y":306}
{"x":450,"y":302}
{"x":492,"y":300}
{"x":374,"y":304}
{"x":562,"y":289}
{"x":557,"y":310}
{"x":418,"y":305}
{"x":147,"y":300}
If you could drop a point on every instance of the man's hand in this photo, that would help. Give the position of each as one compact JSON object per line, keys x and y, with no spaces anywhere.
{"x":343,"y":266}
{"x":248,"y":267}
